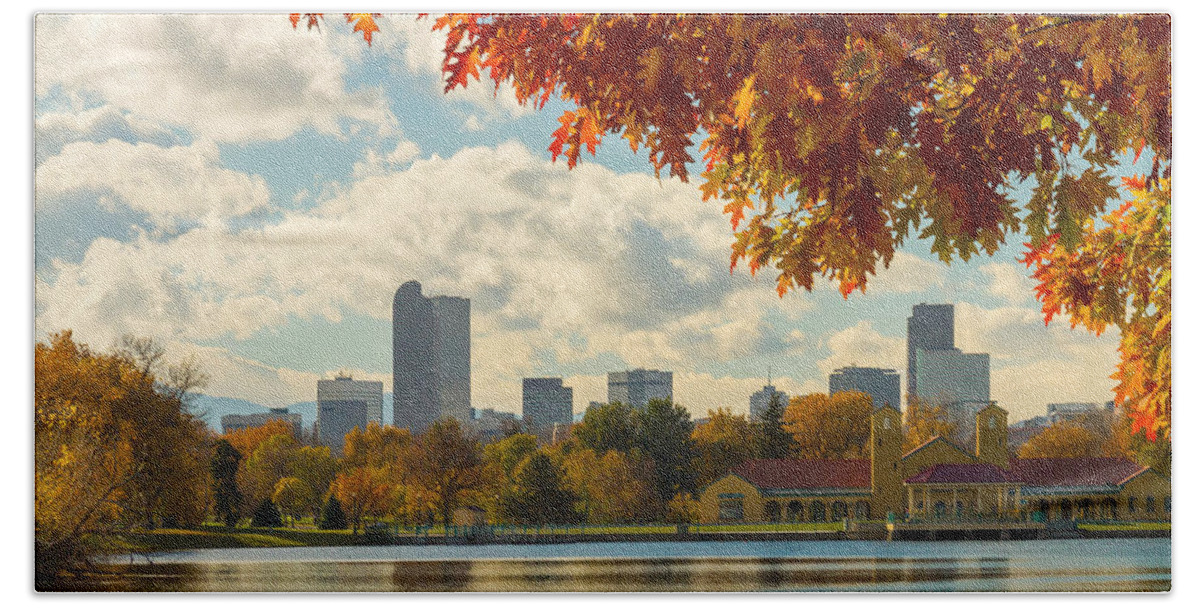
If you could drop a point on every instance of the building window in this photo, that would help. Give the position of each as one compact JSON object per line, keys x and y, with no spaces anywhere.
{"x":839,"y":511}
{"x":1132,"y":505}
{"x":1167,"y":503}
{"x":1149,"y":504}
{"x":887,"y":422}
{"x":795,"y":511}
{"x":862,"y":510}
{"x":772,"y":511}
{"x":729,"y":507}
{"x":817,"y":511}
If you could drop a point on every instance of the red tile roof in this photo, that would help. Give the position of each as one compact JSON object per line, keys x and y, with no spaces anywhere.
{"x":792,"y":474}
{"x":1049,"y":472}
{"x":961,"y":473}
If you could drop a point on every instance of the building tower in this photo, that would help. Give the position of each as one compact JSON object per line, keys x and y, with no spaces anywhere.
{"x":431,"y":358}
{"x":343,"y":404}
{"x":991,"y":435}
{"x":637,"y":387}
{"x":883,"y":385}
{"x":930,"y":327}
{"x":545,"y":402}
{"x":887,"y":440}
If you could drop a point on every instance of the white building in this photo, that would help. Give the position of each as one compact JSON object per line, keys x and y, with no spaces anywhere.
{"x":343,"y":404}
{"x":958,"y":382}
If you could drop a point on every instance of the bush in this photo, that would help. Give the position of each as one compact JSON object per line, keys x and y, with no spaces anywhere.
{"x":332,"y":516}
{"x":266,"y":515}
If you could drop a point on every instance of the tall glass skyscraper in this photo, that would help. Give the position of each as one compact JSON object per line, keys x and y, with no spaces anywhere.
{"x":431,"y":358}
{"x":930,"y":327}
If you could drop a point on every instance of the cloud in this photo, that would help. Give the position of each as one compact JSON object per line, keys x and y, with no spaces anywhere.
{"x":1009,"y":283}
{"x":54,"y":130}
{"x":861,"y":345}
{"x":228,"y":78}
{"x":575,"y":264}
{"x":907,"y":273}
{"x":172,"y":185}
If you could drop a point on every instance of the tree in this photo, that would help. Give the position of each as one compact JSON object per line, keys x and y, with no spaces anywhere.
{"x":613,"y":488}
{"x":363,"y":492}
{"x":664,"y":433}
{"x":607,"y":427}
{"x":832,"y":139}
{"x":293,"y":497}
{"x":503,"y":456}
{"x":113,"y":447}
{"x":445,"y":465}
{"x":266,"y":515}
{"x":830,"y":427}
{"x":773,"y":440}
{"x":924,"y":421}
{"x":383,"y":447}
{"x":246,"y":440}
{"x":228,"y":498}
{"x":722,"y":443}
{"x":333,"y":517}
{"x":537,"y":494}
{"x":317,"y":468}
{"x":1065,"y":440}
{"x":270,"y":462}
{"x":683,"y":509}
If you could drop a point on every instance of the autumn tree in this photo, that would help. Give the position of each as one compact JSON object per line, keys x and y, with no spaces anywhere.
{"x":293,"y":496}
{"x":832,"y":139}
{"x":333,"y":517}
{"x":722,"y":443}
{"x":1065,"y":440}
{"x":270,"y":462}
{"x":611,"y":488}
{"x":773,"y":441}
{"x":924,"y":421}
{"x":317,"y":468}
{"x":383,"y":447}
{"x":445,"y":465}
{"x":246,"y":440}
{"x":830,"y":426}
{"x":226,"y":494}
{"x":362,"y":492}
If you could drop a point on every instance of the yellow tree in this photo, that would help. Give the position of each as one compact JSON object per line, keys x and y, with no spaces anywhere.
{"x":1066,"y":440}
{"x":829,"y":427}
{"x":723,"y":442}
{"x":363,"y":492}
{"x":613,"y":488}
{"x":293,"y":497}
{"x":317,"y":468}
{"x":924,"y":421}
{"x":446,"y":465}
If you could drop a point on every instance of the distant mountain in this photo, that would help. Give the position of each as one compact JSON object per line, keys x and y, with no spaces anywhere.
{"x":212,"y":408}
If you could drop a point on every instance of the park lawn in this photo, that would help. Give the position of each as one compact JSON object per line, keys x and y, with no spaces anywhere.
{"x":797,"y":527}
{"x":1133,"y":525}
{"x":219,"y":538}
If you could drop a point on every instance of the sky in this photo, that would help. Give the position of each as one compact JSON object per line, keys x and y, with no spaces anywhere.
{"x":253,"y":195}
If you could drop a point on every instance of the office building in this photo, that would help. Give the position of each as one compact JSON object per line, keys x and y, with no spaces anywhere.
{"x":431,"y":358}
{"x":545,"y":402}
{"x":238,"y":422}
{"x":760,"y":401}
{"x":958,"y":382}
{"x":883,"y":385}
{"x":931,"y":327}
{"x":638,"y":386}
{"x":343,"y":404}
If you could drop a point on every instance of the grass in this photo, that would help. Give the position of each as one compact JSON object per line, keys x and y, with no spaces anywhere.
{"x":794,"y":527}
{"x":1128,"y":526}
{"x":214,"y":537}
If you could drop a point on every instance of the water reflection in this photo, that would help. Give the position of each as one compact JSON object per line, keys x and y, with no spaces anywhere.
{"x":1028,"y":566}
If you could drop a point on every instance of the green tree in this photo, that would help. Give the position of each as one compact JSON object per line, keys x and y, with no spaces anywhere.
{"x":270,"y":462}
{"x":613,"y":488}
{"x":504,"y":455}
{"x":317,"y":468}
{"x":266,"y":515}
{"x":332,"y":516}
{"x":293,"y":497}
{"x":773,"y":440}
{"x":537,"y":495}
{"x":611,"y":426}
{"x":830,"y":427}
{"x":664,"y":433}
{"x":722,"y":443}
{"x":446,"y":466}
{"x":228,"y":498}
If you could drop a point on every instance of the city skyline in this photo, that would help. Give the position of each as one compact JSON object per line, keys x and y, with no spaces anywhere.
{"x":277,"y":266}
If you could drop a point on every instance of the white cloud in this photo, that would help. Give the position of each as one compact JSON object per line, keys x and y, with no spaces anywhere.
{"x":472,"y":124}
{"x":172,"y":185}
{"x":1009,"y":283}
{"x":863,"y":346}
{"x":907,"y":273}
{"x":228,"y":78}
{"x":53,"y":130}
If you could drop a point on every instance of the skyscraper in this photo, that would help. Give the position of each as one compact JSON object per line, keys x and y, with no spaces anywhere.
{"x":956,"y":381}
{"x":344,"y":403}
{"x":638,"y":386}
{"x":883,"y":385}
{"x":431,"y":358}
{"x":546,"y":402}
{"x":760,"y":401}
{"x":931,"y":327}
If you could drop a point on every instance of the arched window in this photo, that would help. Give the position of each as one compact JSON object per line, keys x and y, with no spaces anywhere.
{"x":839,"y":511}
{"x":1150,"y":507}
{"x":795,"y":511}
{"x":1132,"y":505}
{"x":771,"y":512}
{"x":817,"y":511}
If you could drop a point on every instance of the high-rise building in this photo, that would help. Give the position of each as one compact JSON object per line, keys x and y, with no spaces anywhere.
{"x":930,"y":327}
{"x":237,"y":422}
{"x":343,"y":404}
{"x":638,"y":386}
{"x":956,"y":381}
{"x":431,"y":358}
{"x":545,"y":402}
{"x":883,"y":385}
{"x":760,"y":401}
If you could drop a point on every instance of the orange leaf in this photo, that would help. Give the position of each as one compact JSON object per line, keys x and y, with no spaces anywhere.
{"x":365,"y":23}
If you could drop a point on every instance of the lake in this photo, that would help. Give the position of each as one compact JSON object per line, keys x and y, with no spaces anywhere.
{"x":1046,"y":565}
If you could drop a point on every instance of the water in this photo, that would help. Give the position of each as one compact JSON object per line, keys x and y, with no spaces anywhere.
{"x":1052,"y":565}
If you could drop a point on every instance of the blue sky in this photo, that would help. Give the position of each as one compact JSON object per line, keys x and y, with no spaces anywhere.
{"x":253,"y":195}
